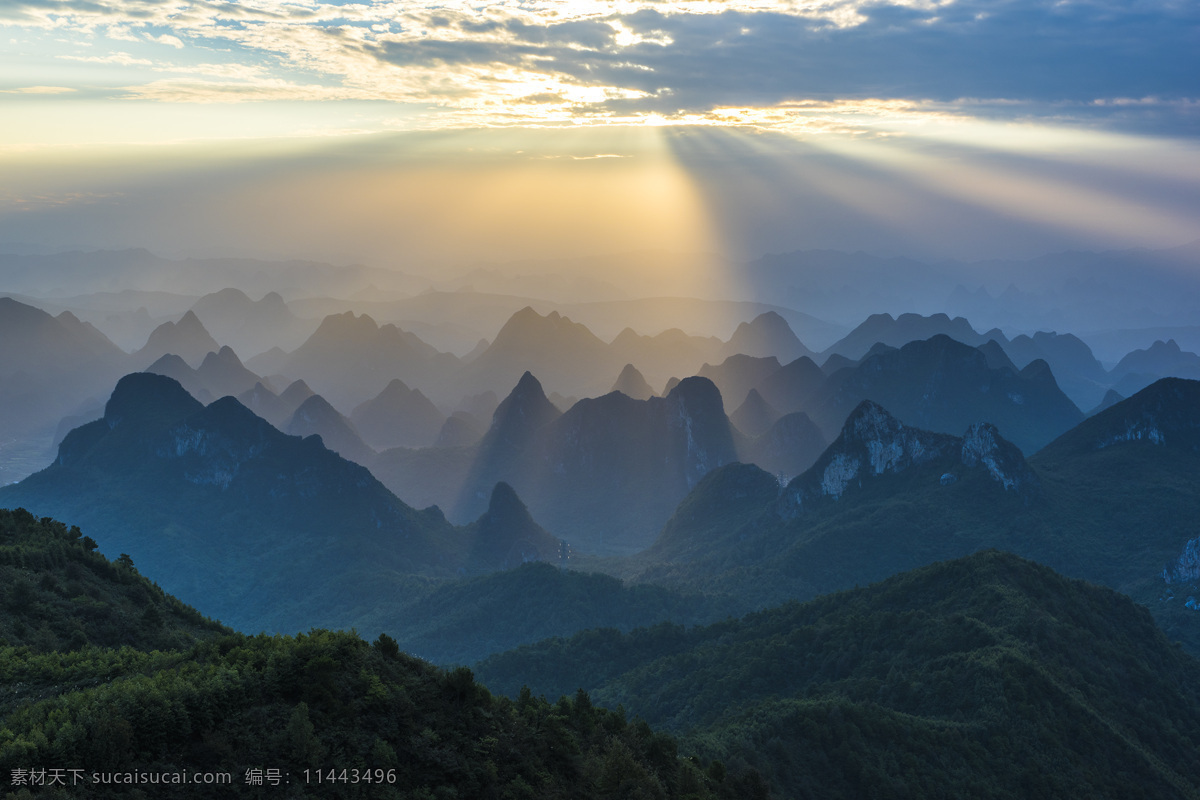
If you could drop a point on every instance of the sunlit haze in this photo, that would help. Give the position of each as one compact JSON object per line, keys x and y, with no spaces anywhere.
{"x":433,"y":136}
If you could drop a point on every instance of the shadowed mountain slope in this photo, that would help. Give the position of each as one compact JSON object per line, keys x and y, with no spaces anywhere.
{"x":263,"y":529}
{"x":1109,"y":501}
{"x":944,"y":385}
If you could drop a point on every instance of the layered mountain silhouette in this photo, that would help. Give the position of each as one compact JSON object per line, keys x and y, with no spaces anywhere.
{"x":265,"y":403}
{"x":899,"y":331}
{"x":398,"y":417}
{"x":632,"y":383}
{"x":570,"y":356}
{"x":350,"y":359}
{"x":768,"y":334}
{"x":187,"y":338}
{"x":738,"y":374}
{"x":315,"y":417}
{"x":755,"y":415}
{"x":1079,"y":374}
{"x":1140,"y":368}
{"x":50,"y":368}
{"x":788,"y":447}
{"x":944,"y":385}
{"x":1076,"y":369}
{"x":252,"y":326}
{"x":260,"y":528}
{"x":220,"y":373}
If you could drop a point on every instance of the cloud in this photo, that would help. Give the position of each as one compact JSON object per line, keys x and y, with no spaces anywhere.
{"x":201,"y":91}
{"x":39,"y":90}
{"x":167,"y":39}
{"x":124,"y":59}
{"x":529,"y":60}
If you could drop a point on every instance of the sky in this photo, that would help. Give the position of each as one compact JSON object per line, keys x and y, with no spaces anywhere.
{"x":420,"y":135}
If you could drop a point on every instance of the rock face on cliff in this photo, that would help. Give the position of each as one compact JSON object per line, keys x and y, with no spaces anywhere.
{"x":1166,"y":414}
{"x":874,"y":443}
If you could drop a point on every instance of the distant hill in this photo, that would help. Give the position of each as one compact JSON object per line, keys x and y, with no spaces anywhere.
{"x":1140,"y":368}
{"x":251,"y":326}
{"x":768,"y":334}
{"x":316,"y":417}
{"x":631,"y":383}
{"x":50,"y":368}
{"x":755,"y":415}
{"x":788,"y":447}
{"x":219,"y":374}
{"x":738,"y":374}
{"x":266,"y":404}
{"x":1077,"y":371}
{"x":350,"y":359}
{"x":944,"y":385}
{"x":988,"y":676}
{"x":398,"y":417}
{"x":566,"y":355}
{"x":899,"y":331}
{"x":187,"y":338}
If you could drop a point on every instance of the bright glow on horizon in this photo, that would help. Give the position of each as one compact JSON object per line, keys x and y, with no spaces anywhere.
{"x":780,"y":124}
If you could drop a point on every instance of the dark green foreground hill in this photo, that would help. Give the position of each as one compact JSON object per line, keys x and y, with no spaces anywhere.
{"x":58,"y":593}
{"x":229,"y":704}
{"x":985,"y":677}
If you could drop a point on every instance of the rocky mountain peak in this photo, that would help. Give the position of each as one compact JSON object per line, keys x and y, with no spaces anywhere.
{"x":296,"y":393}
{"x":508,"y":535}
{"x":632,"y":383}
{"x":505,"y":506}
{"x":982,"y":445}
{"x":224,"y":356}
{"x":524,"y":410}
{"x":694,"y":408}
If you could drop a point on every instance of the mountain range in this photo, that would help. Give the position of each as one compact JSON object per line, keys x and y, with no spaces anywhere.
{"x":269,"y":531}
{"x":1107,"y":501}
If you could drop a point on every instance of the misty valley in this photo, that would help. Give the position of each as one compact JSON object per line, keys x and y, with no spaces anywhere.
{"x":320,"y":531}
